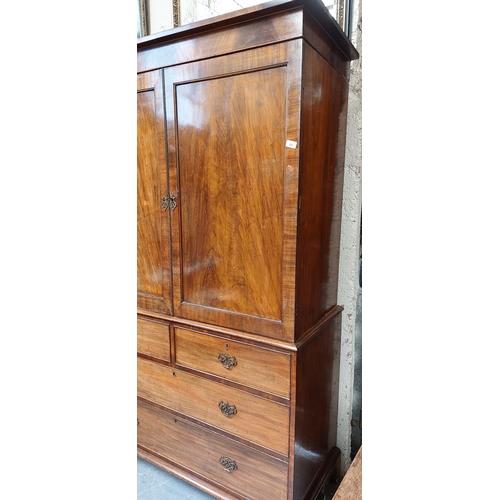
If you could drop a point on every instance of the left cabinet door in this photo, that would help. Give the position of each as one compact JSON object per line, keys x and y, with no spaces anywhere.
{"x":153,"y":232}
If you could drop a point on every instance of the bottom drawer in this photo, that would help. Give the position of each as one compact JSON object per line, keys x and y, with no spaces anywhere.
{"x":232,"y":465}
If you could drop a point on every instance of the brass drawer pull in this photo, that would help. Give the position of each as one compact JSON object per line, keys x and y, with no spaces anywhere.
{"x":228,"y":464}
{"x":227,"y":361}
{"x":226,"y":409}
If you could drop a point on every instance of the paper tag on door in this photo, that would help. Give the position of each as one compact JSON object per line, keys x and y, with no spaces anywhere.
{"x":291,"y":144}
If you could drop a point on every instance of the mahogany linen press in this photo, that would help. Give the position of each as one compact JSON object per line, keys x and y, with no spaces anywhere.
{"x":241,"y":123}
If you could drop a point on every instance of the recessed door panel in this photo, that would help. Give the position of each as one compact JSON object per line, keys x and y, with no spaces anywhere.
{"x":231,"y":163}
{"x":153,"y":240}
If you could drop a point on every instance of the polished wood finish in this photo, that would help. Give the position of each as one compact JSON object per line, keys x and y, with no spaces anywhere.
{"x":261,"y":368}
{"x":153,"y":339}
{"x":207,"y":41}
{"x":319,"y":222}
{"x":257,"y":420}
{"x":241,"y":123}
{"x":233,"y":237}
{"x":153,"y":242}
{"x":195,"y":448}
{"x":232,"y":243}
{"x":249,"y":338}
{"x":316,"y":406}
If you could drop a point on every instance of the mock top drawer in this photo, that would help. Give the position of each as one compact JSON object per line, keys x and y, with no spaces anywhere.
{"x":249,"y":365}
{"x":153,"y":339}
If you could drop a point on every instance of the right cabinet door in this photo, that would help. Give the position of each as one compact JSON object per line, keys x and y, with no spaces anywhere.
{"x":235,"y":182}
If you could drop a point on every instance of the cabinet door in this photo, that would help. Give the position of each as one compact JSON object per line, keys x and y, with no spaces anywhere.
{"x":235,"y":182}
{"x":153,"y":237}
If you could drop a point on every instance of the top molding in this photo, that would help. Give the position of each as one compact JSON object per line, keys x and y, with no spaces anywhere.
{"x":315,"y":7}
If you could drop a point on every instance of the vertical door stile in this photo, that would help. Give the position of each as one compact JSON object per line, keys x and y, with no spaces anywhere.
{"x":168,"y":192}
{"x":172,"y":174}
{"x":291,"y":194}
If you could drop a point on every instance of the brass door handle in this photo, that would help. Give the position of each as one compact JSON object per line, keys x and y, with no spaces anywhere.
{"x":168,"y":202}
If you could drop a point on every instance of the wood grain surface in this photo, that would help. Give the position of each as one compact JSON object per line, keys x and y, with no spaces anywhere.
{"x":241,"y":125}
{"x":235,"y":181}
{"x":319,"y":225}
{"x":258,"y":475}
{"x":258,"y":420}
{"x":153,"y":240}
{"x":351,"y":486}
{"x":230,"y":134}
{"x":153,"y":339}
{"x":256,"y":367}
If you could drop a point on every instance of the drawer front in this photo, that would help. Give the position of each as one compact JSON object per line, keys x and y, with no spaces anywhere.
{"x":255,"y":419}
{"x":257,"y":476}
{"x":153,"y":339}
{"x":252,"y":366}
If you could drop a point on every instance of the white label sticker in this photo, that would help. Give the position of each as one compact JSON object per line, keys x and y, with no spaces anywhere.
{"x":291,"y":144}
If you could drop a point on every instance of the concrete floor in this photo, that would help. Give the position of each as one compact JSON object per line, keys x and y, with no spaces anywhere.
{"x":155,"y":484}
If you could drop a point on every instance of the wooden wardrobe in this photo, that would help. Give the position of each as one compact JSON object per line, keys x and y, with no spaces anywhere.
{"x":241,"y":125}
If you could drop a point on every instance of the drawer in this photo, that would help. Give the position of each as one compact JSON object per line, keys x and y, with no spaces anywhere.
{"x":257,"y":476}
{"x":257,"y":420}
{"x":252,"y":366}
{"x":153,"y":339}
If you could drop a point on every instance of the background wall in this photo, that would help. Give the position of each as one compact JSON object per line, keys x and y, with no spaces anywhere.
{"x":350,"y":252}
{"x":160,"y":12}
{"x":196,"y":10}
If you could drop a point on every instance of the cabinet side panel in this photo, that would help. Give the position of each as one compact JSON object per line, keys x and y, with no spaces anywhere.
{"x":324,"y":106}
{"x":320,"y":40}
{"x":316,"y":407}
